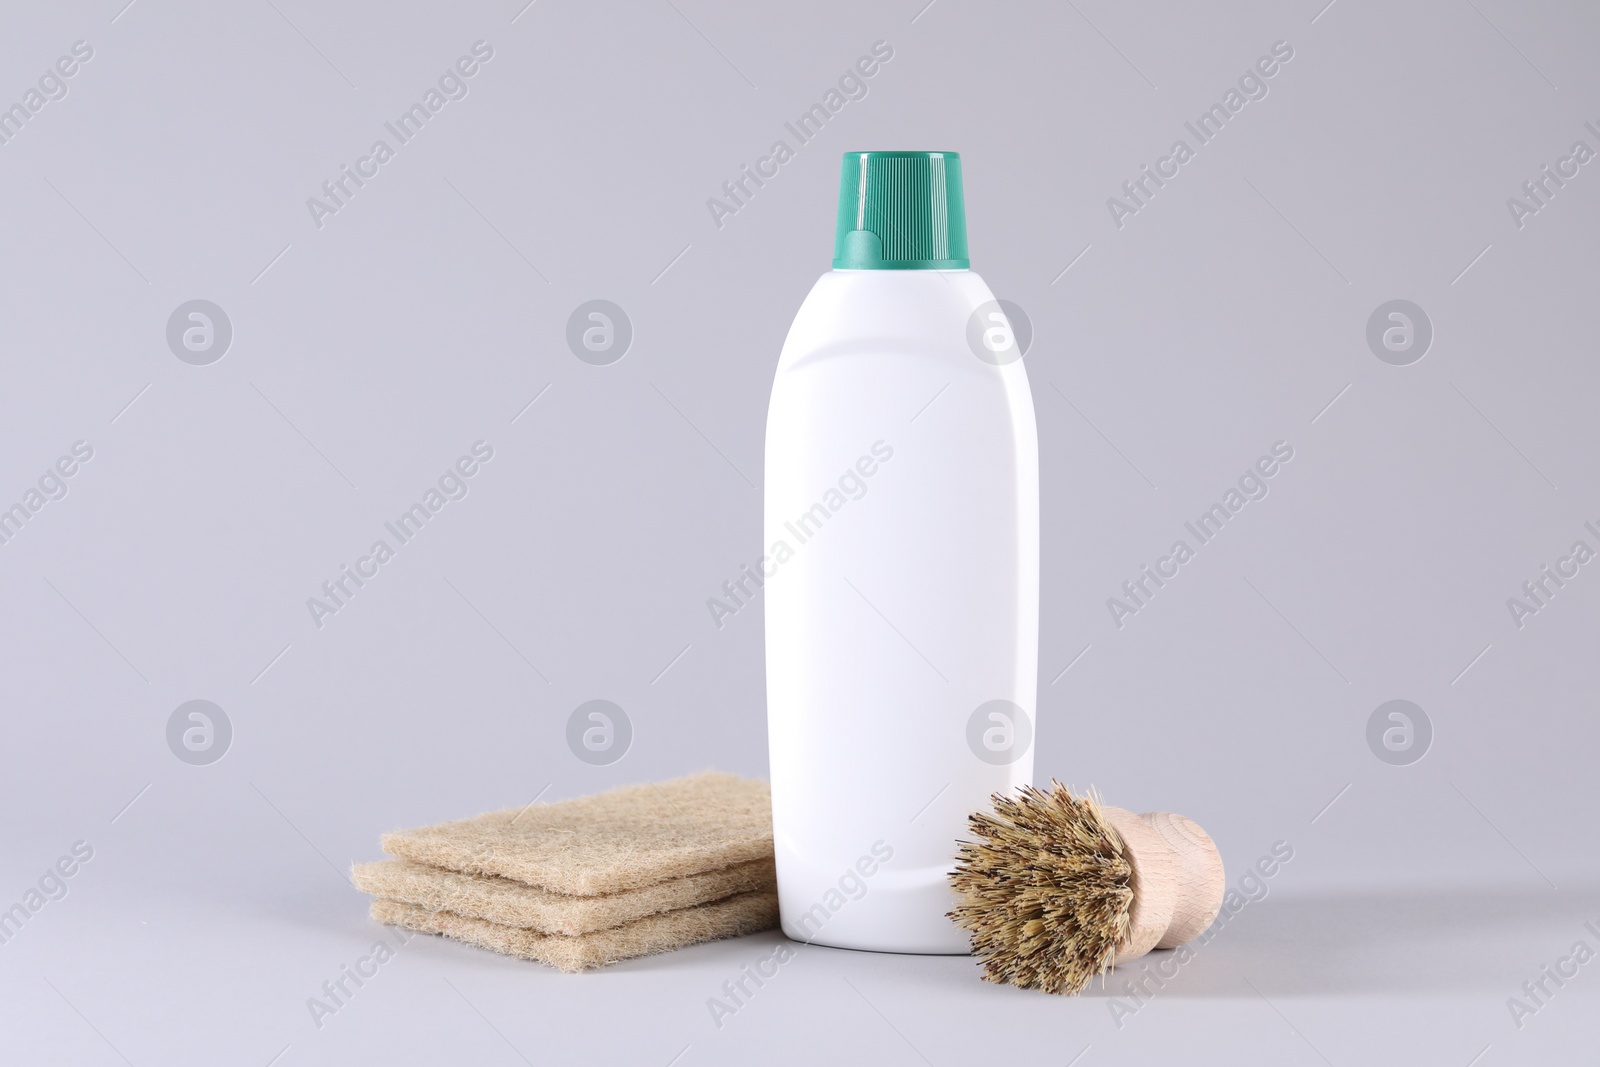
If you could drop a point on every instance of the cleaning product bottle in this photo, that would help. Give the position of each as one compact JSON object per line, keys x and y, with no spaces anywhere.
{"x":902,"y":574}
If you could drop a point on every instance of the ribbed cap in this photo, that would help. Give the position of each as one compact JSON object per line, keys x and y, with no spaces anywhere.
{"x":901,"y":211}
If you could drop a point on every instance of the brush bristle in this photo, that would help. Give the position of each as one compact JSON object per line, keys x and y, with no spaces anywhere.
{"x":1045,"y":890}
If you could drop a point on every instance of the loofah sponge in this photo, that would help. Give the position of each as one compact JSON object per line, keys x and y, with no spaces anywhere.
{"x":510,"y":903}
{"x":627,"y":838}
{"x":585,"y":882}
{"x":745,"y":913}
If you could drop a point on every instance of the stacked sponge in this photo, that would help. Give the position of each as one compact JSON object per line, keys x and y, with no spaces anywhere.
{"x":586,"y":882}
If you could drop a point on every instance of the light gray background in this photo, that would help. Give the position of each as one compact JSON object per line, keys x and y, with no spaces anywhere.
{"x":369,"y":354}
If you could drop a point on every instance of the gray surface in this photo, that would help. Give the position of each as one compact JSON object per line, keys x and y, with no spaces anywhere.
{"x":1223,"y":317}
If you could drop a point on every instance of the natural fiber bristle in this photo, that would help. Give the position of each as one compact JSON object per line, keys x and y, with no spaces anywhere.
{"x":1045,"y":890}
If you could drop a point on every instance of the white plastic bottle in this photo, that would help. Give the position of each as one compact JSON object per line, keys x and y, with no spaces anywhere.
{"x":902,"y":566}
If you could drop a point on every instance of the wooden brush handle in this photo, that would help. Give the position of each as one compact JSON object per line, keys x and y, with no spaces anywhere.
{"x":1203,"y":880}
{"x":1178,"y":880}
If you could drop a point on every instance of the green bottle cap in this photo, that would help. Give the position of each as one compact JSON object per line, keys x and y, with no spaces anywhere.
{"x":901,"y":211}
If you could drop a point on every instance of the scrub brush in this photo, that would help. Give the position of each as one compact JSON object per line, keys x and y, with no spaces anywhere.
{"x":1059,"y":888}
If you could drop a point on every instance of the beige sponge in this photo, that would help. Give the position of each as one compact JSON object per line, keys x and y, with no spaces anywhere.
{"x":745,"y":913}
{"x":500,"y":900}
{"x":623,"y":839}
